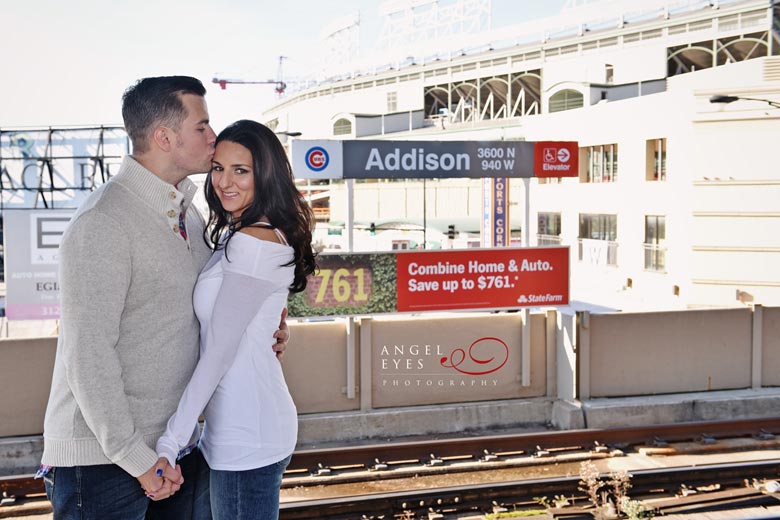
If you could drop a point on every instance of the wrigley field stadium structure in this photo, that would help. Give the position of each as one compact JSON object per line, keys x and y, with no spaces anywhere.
{"x":673,"y":104}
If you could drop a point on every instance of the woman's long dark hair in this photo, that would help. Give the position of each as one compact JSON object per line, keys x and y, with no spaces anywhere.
{"x":275,"y":198}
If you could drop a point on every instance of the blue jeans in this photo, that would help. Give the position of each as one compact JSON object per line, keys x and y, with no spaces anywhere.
{"x":107,"y":492}
{"x":247,"y":495}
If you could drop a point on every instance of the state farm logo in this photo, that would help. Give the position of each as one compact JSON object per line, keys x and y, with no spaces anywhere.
{"x":317,"y":158}
{"x":556,"y":159}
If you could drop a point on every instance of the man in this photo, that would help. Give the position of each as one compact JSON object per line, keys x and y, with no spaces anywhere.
{"x":128,"y":340}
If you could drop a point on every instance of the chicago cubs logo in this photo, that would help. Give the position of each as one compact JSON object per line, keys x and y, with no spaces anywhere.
{"x":317,"y":158}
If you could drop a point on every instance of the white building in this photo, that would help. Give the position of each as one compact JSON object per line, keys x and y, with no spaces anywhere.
{"x":677,"y":203}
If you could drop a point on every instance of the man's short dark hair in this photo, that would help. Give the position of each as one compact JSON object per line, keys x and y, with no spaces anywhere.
{"x":153,"y":101}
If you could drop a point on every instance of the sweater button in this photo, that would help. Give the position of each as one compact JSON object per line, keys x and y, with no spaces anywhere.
{"x":175,"y":228}
{"x":171,"y":213}
{"x":172,"y":195}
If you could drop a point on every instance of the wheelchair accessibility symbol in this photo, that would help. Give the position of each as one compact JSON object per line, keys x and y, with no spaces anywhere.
{"x":552,"y":155}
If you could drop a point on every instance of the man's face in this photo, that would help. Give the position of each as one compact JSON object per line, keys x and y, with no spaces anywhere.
{"x":194,"y":144}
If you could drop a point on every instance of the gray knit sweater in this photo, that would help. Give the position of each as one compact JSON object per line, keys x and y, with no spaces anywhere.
{"x":128,"y":338}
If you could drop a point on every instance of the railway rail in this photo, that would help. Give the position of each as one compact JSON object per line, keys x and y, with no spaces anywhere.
{"x":450,"y":502}
{"x":322,"y":467}
{"x":373,"y":456}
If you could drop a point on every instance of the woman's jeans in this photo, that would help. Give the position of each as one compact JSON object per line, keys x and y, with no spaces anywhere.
{"x":107,"y":492}
{"x":247,"y":495}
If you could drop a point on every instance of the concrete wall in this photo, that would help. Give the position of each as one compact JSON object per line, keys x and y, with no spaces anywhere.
{"x":566,"y":355}
{"x":324,"y":369}
{"x":25,"y":379}
{"x":388,"y":364}
{"x":770,"y":350}
{"x":668,"y":352}
{"x":419,"y":361}
{"x":316,"y":368}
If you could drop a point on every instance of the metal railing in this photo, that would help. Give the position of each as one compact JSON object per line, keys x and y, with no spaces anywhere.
{"x":597,"y":252}
{"x":548,"y":240}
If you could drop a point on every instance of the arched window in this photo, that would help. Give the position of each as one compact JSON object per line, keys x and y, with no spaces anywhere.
{"x":342,"y":127}
{"x":565,"y":100}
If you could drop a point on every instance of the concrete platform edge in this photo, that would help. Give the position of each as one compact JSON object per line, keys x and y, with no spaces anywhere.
{"x":690,"y":407}
{"x":21,"y":455}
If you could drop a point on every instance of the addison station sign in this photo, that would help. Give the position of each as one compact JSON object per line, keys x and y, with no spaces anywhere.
{"x":433,"y":159}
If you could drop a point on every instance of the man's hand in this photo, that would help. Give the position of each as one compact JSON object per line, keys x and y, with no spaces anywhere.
{"x":282,"y":336}
{"x":161,"y":481}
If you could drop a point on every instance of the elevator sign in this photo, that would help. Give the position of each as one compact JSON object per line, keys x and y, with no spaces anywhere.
{"x":556,"y":159}
{"x":432,"y":159}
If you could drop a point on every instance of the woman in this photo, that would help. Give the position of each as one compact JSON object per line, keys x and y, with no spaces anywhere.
{"x":261,"y":234}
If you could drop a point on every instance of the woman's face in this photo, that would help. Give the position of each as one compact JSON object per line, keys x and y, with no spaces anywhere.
{"x":232,"y":177}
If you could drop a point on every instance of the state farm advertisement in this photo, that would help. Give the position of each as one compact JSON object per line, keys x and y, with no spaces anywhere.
{"x":482,"y":278}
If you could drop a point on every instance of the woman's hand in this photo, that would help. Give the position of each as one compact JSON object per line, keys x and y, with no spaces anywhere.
{"x":161,"y":481}
{"x":282,"y":336}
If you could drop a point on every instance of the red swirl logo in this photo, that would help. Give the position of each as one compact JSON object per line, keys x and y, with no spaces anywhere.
{"x":475,"y":360}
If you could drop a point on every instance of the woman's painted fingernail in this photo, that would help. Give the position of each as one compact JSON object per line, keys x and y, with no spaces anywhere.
{"x":159,"y":472}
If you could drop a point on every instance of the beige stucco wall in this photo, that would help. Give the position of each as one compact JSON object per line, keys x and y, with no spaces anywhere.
{"x":417,"y":361}
{"x":770,"y":352}
{"x":624,"y":354}
{"x":315,"y":367}
{"x":25,"y":379}
{"x":669,"y":352}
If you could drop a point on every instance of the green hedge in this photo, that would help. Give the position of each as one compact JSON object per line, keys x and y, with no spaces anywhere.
{"x":383,"y":286}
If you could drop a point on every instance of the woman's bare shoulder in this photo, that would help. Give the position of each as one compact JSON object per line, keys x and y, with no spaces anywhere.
{"x":261,"y":233}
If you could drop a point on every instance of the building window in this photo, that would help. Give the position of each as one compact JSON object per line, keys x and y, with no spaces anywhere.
{"x":655,"y":160}
{"x":549,"y":229}
{"x":655,"y":239}
{"x":392,"y":102}
{"x":609,"y":73}
{"x":342,"y":127}
{"x":601,"y":163}
{"x":568,"y":99}
{"x":597,"y":240}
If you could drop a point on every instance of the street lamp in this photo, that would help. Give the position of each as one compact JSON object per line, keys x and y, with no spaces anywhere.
{"x":284,"y":135}
{"x":721,"y":98}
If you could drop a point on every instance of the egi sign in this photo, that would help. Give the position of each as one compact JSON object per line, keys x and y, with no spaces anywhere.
{"x":433,"y":159}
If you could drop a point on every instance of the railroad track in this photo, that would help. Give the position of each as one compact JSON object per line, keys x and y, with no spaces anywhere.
{"x":394,"y":460}
{"x":376,"y":456}
{"x":451,"y":502}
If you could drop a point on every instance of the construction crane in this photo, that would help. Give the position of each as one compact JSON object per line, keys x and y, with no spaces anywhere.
{"x":281,"y":86}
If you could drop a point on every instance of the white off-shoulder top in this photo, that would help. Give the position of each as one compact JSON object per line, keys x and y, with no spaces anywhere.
{"x":238,"y":384}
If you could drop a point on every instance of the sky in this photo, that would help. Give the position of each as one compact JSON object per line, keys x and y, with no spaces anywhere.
{"x":67,"y":62}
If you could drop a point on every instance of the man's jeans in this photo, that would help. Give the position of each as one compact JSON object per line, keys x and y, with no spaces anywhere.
{"x":107,"y":492}
{"x":247,"y":495}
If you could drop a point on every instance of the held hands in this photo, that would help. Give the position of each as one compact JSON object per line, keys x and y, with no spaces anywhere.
{"x":282,"y":336}
{"x":161,"y":481}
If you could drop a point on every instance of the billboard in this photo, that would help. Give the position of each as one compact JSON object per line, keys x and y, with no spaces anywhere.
{"x":57,"y":167}
{"x":474,"y":279}
{"x":32,"y":240}
{"x":483,"y":279}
